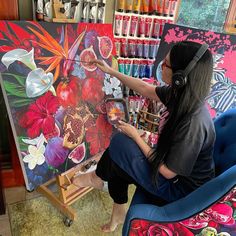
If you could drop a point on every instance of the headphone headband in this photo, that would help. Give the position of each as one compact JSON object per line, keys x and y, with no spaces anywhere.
{"x":196,"y":58}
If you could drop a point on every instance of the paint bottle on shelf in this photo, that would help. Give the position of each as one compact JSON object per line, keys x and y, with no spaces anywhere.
{"x":121,"y":5}
{"x":173,"y":4}
{"x":139,"y":48}
{"x":78,"y":11}
{"x":136,"y":6}
{"x":145,"y":9}
{"x":101,"y":9}
{"x":155,"y":28}
{"x":125,"y":25}
{"x":166,"y":8}
{"x":134,"y":25}
{"x":142,"y":26}
{"x":128,"y":6}
{"x":132,"y":48}
{"x":160,"y":5}
{"x":118,"y":46}
{"x":124,"y":47}
{"x":146,"y":49}
{"x":148,"y":26}
{"x":154,"y":7}
{"x":118,"y":23}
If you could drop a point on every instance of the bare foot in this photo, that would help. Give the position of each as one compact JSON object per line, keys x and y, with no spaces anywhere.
{"x":117,"y":218}
{"x":88,"y":180}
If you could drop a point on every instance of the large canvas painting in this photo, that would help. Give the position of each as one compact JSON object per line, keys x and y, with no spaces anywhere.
{"x":223,"y":48}
{"x":55,"y":98}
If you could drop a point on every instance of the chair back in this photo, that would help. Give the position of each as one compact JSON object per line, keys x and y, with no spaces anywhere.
{"x":225,"y":144}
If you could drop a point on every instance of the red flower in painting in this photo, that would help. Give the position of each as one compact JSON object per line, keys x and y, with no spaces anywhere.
{"x":40,"y":116}
{"x":98,"y":136}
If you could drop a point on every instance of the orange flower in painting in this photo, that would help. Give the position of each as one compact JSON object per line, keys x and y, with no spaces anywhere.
{"x":98,"y":136}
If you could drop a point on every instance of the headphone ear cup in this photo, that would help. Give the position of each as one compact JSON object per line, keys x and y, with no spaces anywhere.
{"x":179,"y":79}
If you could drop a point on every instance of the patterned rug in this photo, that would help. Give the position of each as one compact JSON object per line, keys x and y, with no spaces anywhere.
{"x":37,"y":217}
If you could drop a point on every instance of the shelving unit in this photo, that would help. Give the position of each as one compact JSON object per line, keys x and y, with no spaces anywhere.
{"x":137,"y":38}
{"x":58,"y":14}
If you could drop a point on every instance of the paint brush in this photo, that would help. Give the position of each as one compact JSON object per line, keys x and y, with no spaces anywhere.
{"x":88,"y":62}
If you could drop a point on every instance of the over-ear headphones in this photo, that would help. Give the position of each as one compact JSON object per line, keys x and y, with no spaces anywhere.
{"x":179,"y":78}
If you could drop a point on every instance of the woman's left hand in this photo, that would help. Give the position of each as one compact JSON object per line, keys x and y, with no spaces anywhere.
{"x":128,"y":129}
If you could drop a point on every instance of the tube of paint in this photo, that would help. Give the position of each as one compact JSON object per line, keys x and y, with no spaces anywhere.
{"x":156,"y":28}
{"x":118,"y":21}
{"x":146,"y":48}
{"x":125,"y":25}
{"x":142,"y":66}
{"x":145,"y":7}
{"x":139,"y":48}
{"x":154,"y":6}
{"x":148,"y":25}
{"x":124,"y":47}
{"x":78,"y":11}
{"x":166,"y":8}
{"x":136,"y":6}
{"x":142,"y":26}
{"x":128,"y":67}
{"x":162,"y":23}
{"x":173,"y":4}
{"x":149,"y":68}
{"x":121,"y":66}
{"x":92,"y":13}
{"x":133,"y":25}
{"x":153,"y":46}
{"x":101,"y":8}
{"x":121,"y":5}
{"x":160,"y":5}
{"x":128,"y":6}
{"x":132,"y":47}
{"x":135,"y":68}
{"x":117,"y":46}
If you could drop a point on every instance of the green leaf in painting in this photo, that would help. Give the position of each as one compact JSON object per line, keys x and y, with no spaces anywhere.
{"x":14,"y":89}
{"x":20,"y":102}
{"x":23,"y":146}
{"x":21,"y":79}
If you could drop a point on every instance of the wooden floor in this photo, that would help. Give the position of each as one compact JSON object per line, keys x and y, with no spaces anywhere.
{"x":13,"y":195}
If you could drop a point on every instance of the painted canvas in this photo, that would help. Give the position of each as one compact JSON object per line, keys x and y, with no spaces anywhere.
{"x":55,"y":98}
{"x":223,"y":47}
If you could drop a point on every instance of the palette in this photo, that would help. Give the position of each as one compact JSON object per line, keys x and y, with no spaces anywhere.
{"x":116,"y":110}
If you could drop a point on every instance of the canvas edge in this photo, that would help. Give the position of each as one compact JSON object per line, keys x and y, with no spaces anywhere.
{"x":14,"y":133}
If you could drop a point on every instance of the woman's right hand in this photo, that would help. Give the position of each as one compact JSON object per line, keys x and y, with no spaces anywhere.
{"x":102,"y":65}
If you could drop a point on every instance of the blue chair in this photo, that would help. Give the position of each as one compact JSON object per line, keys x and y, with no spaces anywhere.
{"x":209,"y":210}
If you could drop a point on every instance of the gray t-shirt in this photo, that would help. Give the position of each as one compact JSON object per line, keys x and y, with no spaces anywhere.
{"x":191,"y":150}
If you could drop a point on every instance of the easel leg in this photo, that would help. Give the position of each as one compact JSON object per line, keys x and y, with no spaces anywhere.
{"x":64,"y":208}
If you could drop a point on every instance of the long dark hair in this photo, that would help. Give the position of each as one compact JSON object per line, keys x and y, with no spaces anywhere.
{"x":185,"y":100}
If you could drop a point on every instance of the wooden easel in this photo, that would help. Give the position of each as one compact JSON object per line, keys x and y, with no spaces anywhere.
{"x":67,"y":192}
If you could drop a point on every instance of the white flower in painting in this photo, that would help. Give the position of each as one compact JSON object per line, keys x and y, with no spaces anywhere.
{"x":19,"y":55}
{"x":38,"y":141}
{"x":35,"y":156}
{"x":115,"y":83}
{"x":112,"y":86}
{"x":38,"y":82}
{"x":107,"y":88}
{"x":118,"y":93}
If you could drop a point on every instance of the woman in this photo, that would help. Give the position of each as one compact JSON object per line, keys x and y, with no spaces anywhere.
{"x":182,"y":160}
